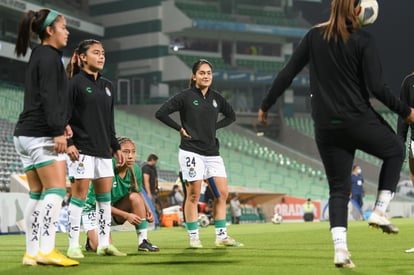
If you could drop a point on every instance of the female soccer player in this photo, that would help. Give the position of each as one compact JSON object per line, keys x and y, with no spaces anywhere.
{"x":198,"y":156}
{"x":344,"y":69}
{"x":128,"y":203}
{"x":93,"y":143}
{"x":41,"y":132}
{"x":407,"y":95}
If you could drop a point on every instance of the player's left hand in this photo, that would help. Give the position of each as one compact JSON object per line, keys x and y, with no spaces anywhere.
{"x":134,"y":219}
{"x":150,"y":217}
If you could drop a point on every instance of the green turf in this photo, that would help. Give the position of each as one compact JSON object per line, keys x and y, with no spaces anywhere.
{"x":288,"y":248}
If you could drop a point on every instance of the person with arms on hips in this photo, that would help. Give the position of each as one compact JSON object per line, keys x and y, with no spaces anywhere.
{"x":41,"y":133}
{"x":339,"y":49}
{"x":235,"y":209}
{"x":198,"y":156}
{"x":308,"y":211}
{"x":93,"y":144}
{"x":128,"y":203}
{"x":357,"y":189}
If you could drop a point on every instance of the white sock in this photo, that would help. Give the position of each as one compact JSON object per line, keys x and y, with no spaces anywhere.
{"x":221,"y":233}
{"x":339,"y":237}
{"x":50,"y":213}
{"x":383,"y":200}
{"x":142,"y":235}
{"x":194,"y":234}
{"x":74,"y":221}
{"x":103,"y":218}
{"x":32,"y":223}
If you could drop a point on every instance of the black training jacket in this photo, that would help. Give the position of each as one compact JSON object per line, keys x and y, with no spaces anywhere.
{"x":199,"y":117}
{"x":342,"y":76}
{"x":92,"y":115}
{"x":45,"y":95}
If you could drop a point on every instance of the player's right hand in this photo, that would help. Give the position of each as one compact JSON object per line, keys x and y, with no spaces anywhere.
{"x":184,"y":133}
{"x":60,"y":144}
{"x":262,"y":117}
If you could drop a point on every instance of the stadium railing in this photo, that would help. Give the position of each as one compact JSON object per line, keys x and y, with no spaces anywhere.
{"x":248,"y":164}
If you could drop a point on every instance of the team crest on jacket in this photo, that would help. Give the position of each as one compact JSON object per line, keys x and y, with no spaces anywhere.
{"x":108,"y":92}
{"x":215,"y":103}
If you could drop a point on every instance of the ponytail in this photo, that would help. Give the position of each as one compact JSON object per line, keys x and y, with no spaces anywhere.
{"x":343,"y":20}
{"x":73,"y":66}
{"x":33,"y":23}
{"x":133,"y":184}
{"x":24,"y":34}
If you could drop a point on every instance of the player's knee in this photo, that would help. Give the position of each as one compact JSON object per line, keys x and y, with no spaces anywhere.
{"x":133,"y":196}
{"x":193,"y":198}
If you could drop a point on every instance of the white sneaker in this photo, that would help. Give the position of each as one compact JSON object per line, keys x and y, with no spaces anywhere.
{"x":75,"y":253}
{"x":379,"y":220}
{"x":228,"y":241}
{"x":342,"y":259}
{"x":195,"y":243}
{"x":109,"y":250}
{"x":411,"y":250}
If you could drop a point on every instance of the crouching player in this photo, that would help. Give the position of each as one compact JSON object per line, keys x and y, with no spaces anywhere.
{"x":128,"y":203}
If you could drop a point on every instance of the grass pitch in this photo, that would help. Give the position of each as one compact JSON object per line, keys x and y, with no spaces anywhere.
{"x":287,"y":248}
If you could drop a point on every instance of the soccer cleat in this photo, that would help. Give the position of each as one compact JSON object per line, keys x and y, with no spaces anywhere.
{"x":378,"y":220}
{"x":342,"y":259}
{"x":109,"y":250}
{"x":228,"y":241}
{"x":29,"y":259}
{"x":75,"y":253}
{"x":195,"y":243}
{"x":147,"y":246}
{"x":411,"y":250}
{"x":55,"y":258}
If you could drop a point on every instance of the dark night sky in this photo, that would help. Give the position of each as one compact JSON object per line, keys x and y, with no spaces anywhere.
{"x":393,"y":31}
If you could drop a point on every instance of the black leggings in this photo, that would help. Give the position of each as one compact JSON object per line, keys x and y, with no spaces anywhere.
{"x":337,"y":149}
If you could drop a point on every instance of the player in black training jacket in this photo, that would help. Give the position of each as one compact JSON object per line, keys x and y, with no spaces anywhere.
{"x":344,"y":68}
{"x":199,"y":107}
{"x":41,"y":133}
{"x":93,"y":143}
